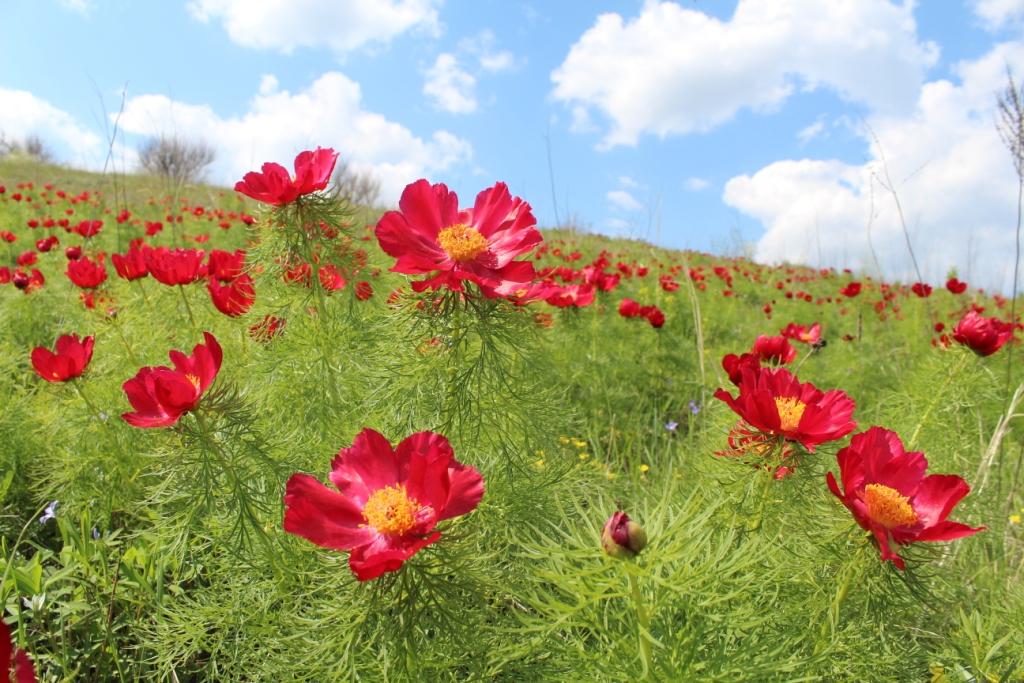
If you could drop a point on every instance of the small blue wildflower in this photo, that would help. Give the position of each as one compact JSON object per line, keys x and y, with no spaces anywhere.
{"x":694,"y":407}
{"x":49,"y":513}
{"x":95,"y":534}
{"x":671,"y":425}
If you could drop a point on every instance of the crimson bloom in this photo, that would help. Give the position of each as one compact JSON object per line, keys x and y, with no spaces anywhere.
{"x":984,"y":336}
{"x":86,"y":273}
{"x":802,"y":333}
{"x":234,"y":298}
{"x":889,"y":495}
{"x":851,"y":290}
{"x":175,"y":266}
{"x":430,"y":234}
{"x":388,"y":501}
{"x":68,"y":360}
{"x":774,"y":350}
{"x":225,"y":266}
{"x":955,"y":286}
{"x":15,"y":665}
{"x":274,"y":186}
{"x":160,"y":395}
{"x":734,"y":365}
{"x":775,"y":402}
{"x":131,"y":265}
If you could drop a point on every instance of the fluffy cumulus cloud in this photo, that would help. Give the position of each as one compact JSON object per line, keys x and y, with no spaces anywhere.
{"x":677,"y":70}
{"x":341,"y":26}
{"x":996,"y":14}
{"x":279,"y":124}
{"x":624,"y":200}
{"x":953,"y":175}
{"x":449,"y":87}
{"x":24,"y":115}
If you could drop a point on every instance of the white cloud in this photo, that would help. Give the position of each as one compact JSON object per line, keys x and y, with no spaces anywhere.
{"x":22,"y":114}
{"x":626,"y":181}
{"x":449,"y":87}
{"x":341,"y":26}
{"x":954,"y":177}
{"x":695,"y":184}
{"x":676,"y":70}
{"x":79,"y":6}
{"x":483,"y":48}
{"x":624,"y":200}
{"x":996,"y":14}
{"x":498,"y":61}
{"x":812,"y":131}
{"x":279,"y":124}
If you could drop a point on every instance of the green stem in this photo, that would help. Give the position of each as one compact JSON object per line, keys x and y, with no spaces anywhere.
{"x":81,"y":394}
{"x":188,"y":308}
{"x":17,"y":542}
{"x":936,"y":397}
{"x":643,"y":620}
{"x":828,"y":626}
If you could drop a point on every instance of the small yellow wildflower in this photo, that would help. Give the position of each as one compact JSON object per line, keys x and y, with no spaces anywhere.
{"x":563,"y":440}
{"x":579,"y":444}
{"x":584,"y":456}
{"x":1014,"y":519}
{"x":645,"y":468}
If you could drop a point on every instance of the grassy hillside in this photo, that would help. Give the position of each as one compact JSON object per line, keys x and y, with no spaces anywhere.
{"x":165,"y":557}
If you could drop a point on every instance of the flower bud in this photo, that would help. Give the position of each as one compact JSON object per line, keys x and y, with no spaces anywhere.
{"x":622,"y":537}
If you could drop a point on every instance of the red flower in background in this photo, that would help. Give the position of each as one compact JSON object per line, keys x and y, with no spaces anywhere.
{"x":629,"y":308}
{"x":68,"y":360}
{"x":774,"y":402}
{"x":274,"y":186}
{"x":364,"y":290}
{"x":160,"y":395}
{"x":235,"y":298}
{"x":226,"y":265}
{"x":734,"y":365}
{"x":85,"y":273}
{"x":73,"y":253}
{"x":131,"y":265}
{"x":889,"y":495}
{"x":654,"y":316}
{"x":14,"y":663}
{"x":984,"y":336}
{"x":388,"y":502}
{"x":266,"y":329}
{"x":175,"y":266}
{"x":801,"y":333}
{"x":851,"y":290}
{"x":774,"y":350}
{"x":955,"y":286}
{"x":430,"y":234}
{"x":921,"y":289}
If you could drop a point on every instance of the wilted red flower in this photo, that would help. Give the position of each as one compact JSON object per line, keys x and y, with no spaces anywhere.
{"x":131,"y":265}
{"x":274,"y":186}
{"x":330,"y":278}
{"x":364,"y":290}
{"x":921,"y":289}
{"x":266,"y":329}
{"x":801,"y":333}
{"x":775,"y":402}
{"x":388,"y":501}
{"x":86,"y":273}
{"x":67,"y":361}
{"x":14,"y":663}
{"x":430,"y":234}
{"x":984,"y":336}
{"x":889,"y":495}
{"x":734,"y":365}
{"x":160,"y":395}
{"x":175,"y":266}
{"x":235,"y":298}
{"x":745,"y":442}
{"x":956,"y":286}
{"x":851,"y":290}
{"x":225,"y":265}
{"x":774,"y":349}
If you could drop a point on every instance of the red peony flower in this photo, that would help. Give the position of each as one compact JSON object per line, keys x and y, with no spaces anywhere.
{"x":234,"y":298}
{"x":175,"y":266}
{"x":775,"y":402}
{"x":773,"y":350}
{"x":388,"y":501}
{"x":15,"y":664}
{"x":654,"y":316}
{"x":85,"y":273}
{"x":130,"y":265}
{"x":274,"y":186}
{"x":364,"y":290}
{"x":889,"y":495}
{"x":266,"y":329}
{"x":734,"y":365}
{"x":921,"y":289}
{"x":984,"y":336}
{"x":629,"y":308}
{"x":68,"y":361}
{"x":955,"y":286}
{"x":73,"y":253}
{"x":226,"y":265}
{"x":851,"y":290}
{"x":800,"y":333}
{"x":160,"y":395}
{"x":429,"y":234}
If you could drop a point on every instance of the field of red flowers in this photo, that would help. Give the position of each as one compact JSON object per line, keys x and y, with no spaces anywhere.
{"x":268,"y":435}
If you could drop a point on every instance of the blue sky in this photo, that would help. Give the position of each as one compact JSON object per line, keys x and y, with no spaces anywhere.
{"x":713,"y":125}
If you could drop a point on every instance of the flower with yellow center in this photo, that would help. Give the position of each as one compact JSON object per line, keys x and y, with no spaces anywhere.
{"x":461,"y":242}
{"x":888,"y":507}
{"x":193,"y":379}
{"x":390,"y":510}
{"x":790,"y":412}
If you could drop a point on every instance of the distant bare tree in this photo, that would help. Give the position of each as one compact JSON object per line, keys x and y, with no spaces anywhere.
{"x":32,"y":147}
{"x":180,"y":161}
{"x":360,"y":188}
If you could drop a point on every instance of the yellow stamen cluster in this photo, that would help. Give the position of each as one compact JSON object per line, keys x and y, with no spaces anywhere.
{"x":194,"y":379}
{"x":790,"y":412}
{"x":887,"y":507}
{"x":390,"y":510}
{"x":461,"y":242}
